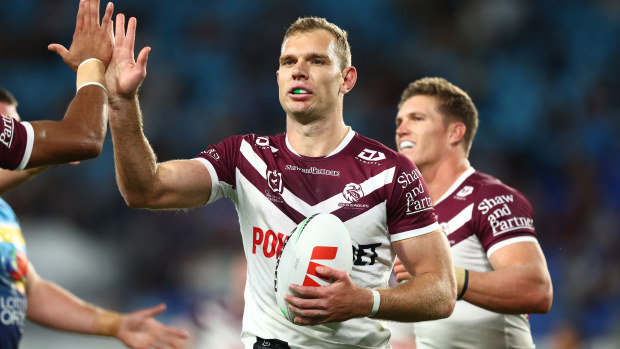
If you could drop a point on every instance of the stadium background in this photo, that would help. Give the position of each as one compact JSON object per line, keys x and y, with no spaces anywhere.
{"x":543,"y":74}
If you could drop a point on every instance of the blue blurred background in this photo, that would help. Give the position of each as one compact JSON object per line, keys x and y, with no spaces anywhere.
{"x":544,"y":75}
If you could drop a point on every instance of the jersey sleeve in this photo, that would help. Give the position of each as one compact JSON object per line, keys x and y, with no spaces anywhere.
{"x":221,"y":161}
{"x":410,"y":212}
{"x":503,"y":216}
{"x":16,"y":141}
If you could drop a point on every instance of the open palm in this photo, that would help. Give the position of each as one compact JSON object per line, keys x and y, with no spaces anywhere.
{"x":125,"y":75}
{"x":140,"y":330}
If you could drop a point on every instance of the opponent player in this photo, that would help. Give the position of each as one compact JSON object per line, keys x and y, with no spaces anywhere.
{"x":23,"y":293}
{"x":500,"y":269}
{"x":319,"y":165}
{"x":80,"y":134}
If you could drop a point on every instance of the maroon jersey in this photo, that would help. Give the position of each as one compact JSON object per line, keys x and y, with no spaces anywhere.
{"x":479,"y":215}
{"x":378,"y":194}
{"x":16,"y":140}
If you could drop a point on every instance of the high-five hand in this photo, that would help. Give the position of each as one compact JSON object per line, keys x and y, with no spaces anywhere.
{"x":125,"y":74}
{"x":91,"y":39}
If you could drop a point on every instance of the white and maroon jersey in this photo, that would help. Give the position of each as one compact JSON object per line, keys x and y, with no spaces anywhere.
{"x":378,"y":194}
{"x":16,"y":140}
{"x":479,"y":215}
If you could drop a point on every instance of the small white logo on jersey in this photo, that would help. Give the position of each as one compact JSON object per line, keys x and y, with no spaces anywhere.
{"x":465,"y":191}
{"x":274,"y":179}
{"x":262,"y":141}
{"x":213,"y":153}
{"x":371,"y":155}
{"x":352,"y":192}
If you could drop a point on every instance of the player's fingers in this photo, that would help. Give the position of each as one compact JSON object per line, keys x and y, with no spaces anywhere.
{"x":330,"y":273}
{"x":399,"y":269}
{"x":79,"y":20}
{"x":130,"y":37}
{"x":302,"y":291}
{"x":154,"y":311}
{"x":172,"y":342}
{"x":175,"y":332}
{"x":119,"y":37}
{"x":402,"y":276}
{"x":143,"y":57}
{"x":106,"y":22}
{"x":58,"y":49}
{"x":96,"y":12}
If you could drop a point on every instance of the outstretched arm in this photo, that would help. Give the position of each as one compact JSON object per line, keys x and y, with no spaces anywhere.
{"x":142,"y":181}
{"x":52,"y":306}
{"x":80,"y":134}
{"x":430,"y":295}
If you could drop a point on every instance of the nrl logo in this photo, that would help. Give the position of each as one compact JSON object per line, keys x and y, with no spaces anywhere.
{"x":352,"y":192}
{"x":274,"y":179}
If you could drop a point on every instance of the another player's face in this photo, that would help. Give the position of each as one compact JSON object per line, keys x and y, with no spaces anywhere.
{"x":309,"y":77}
{"x":421,"y":133}
{"x":9,"y":110}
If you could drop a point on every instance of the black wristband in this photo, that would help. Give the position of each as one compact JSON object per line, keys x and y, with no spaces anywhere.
{"x":460,"y":296}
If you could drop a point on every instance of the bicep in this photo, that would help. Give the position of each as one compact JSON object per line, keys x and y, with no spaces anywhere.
{"x":526,"y":253}
{"x":182,"y":184}
{"x":429,"y":253}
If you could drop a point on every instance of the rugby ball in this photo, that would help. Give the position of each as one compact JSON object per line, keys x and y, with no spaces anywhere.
{"x":319,"y":240}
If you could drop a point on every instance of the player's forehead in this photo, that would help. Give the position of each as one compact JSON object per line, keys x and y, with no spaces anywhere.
{"x":318,"y":41}
{"x":419,"y":104}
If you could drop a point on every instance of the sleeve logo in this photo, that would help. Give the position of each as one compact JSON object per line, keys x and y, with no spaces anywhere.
{"x":6,"y":137}
{"x":371,"y":155}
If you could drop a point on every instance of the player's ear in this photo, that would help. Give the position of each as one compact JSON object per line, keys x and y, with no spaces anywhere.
{"x":350,"y":77}
{"x":456,"y":132}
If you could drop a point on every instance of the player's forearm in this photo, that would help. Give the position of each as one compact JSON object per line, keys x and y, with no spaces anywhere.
{"x":52,"y":306}
{"x":78,"y":136}
{"x":136,"y":163}
{"x":11,"y":179}
{"x":426,"y":297}
{"x":514,"y":290}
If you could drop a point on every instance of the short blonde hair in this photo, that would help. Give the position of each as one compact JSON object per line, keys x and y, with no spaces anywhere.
{"x":454,"y":104}
{"x":308,"y":24}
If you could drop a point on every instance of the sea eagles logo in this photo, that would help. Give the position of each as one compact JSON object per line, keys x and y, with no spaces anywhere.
{"x":213,"y":153}
{"x":274,"y":179}
{"x":371,"y":155}
{"x":352,"y":192}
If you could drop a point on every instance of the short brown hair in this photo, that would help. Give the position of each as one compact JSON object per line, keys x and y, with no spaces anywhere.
{"x":454,"y":104}
{"x":7,"y":97}
{"x":308,"y":24}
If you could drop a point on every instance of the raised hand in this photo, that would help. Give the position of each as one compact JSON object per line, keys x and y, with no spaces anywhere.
{"x":125,"y":74}
{"x":91,"y":39}
{"x":139,"y":330}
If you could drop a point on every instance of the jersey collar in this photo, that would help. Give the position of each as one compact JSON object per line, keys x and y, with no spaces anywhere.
{"x":347,"y":139}
{"x":456,"y":184}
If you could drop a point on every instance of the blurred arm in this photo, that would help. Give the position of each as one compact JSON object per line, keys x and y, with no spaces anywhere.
{"x":519,"y":283}
{"x":52,"y":306}
{"x":11,"y":179}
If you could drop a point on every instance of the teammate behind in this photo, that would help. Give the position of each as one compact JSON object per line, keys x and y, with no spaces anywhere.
{"x":500,"y":269}
{"x":80,"y":134}
{"x":319,"y":165}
